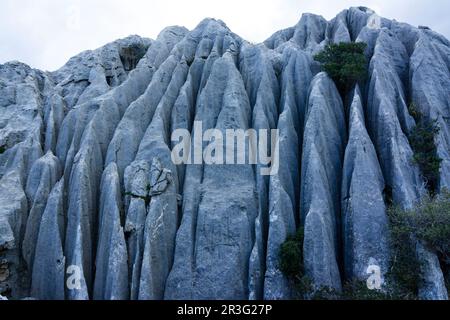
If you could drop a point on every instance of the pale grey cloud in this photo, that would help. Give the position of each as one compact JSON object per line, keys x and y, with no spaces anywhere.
{"x":46,"y":33}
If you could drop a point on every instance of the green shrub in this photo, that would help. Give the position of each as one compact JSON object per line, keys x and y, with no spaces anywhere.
{"x":291,"y":255}
{"x":422,"y":141}
{"x":428,"y":222}
{"x":147,"y":198}
{"x":325,"y":293}
{"x":403,"y":275}
{"x":2,"y":149}
{"x":291,"y":264}
{"x":345,"y":63}
{"x":414,"y":111}
{"x":358,"y":290}
{"x":352,"y":290}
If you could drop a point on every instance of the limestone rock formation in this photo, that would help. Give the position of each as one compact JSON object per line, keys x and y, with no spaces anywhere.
{"x":365,"y":229}
{"x":93,"y":207}
{"x":111,"y":276}
{"x":323,"y":151}
{"x":49,"y":269}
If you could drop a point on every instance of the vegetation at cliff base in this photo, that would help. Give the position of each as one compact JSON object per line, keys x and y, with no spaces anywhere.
{"x":345,"y":63}
{"x":428,"y":222}
{"x":291,"y":264}
{"x":291,"y":255}
{"x":358,"y":290}
{"x":422,"y":141}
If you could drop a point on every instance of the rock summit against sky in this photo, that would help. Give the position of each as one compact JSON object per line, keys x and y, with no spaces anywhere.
{"x":92,"y":207}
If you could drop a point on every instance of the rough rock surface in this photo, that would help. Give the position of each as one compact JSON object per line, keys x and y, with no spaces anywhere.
{"x":111,"y":277}
{"x":49,"y":269}
{"x":90,"y":197}
{"x":364,"y":220}
{"x":323,"y":151}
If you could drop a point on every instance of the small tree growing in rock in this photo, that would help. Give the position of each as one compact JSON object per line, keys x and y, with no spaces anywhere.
{"x":345,"y":63}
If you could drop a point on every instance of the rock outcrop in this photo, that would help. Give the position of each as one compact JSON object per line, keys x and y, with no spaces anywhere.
{"x":92,"y":205}
{"x":323,"y":151}
{"x":365,"y":229}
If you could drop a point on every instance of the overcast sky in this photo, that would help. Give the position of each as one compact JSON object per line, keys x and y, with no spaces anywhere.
{"x":46,"y":33}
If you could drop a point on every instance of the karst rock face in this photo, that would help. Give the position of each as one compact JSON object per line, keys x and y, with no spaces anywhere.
{"x":93,"y":207}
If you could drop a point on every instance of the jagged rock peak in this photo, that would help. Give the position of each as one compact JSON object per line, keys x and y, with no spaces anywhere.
{"x":92,"y":205}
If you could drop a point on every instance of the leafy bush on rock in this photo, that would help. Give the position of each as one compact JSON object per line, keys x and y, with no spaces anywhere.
{"x":345,"y":63}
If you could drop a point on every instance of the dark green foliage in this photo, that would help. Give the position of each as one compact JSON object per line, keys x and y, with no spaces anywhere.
{"x":388,"y":196}
{"x":352,"y":290}
{"x":2,"y":149}
{"x":428,"y":222}
{"x":403,"y":274}
{"x":425,"y":152}
{"x":303,"y":287}
{"x":345,"y":63}
{"x":421,"y":139}
{"x":291,"y":264}
{"x":358,"y":290}
{"x":326,"y":293}
{"x":146,"y":198}
{"x":414,"y":112}
{"x":445,"y":266}
{"x":291,"y":255}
